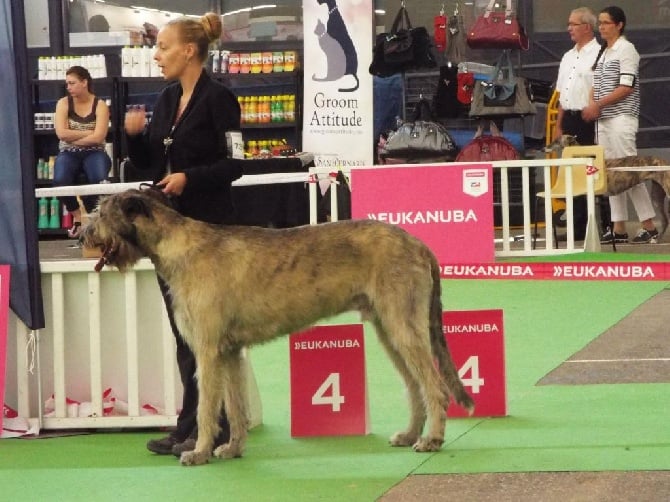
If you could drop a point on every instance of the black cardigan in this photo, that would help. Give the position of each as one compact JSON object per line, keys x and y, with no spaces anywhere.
{"x":198,"y":148}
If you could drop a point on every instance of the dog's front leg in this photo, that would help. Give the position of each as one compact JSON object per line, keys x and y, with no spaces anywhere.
{"x":209,"y":375}
{"x":235,"y":402}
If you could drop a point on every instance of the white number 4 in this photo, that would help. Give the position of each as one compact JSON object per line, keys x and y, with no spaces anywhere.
{"x":471,"y":365}
{"x":334,"y":399}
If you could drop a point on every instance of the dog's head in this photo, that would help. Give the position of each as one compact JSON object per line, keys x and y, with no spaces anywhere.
{"x":125,"y":226}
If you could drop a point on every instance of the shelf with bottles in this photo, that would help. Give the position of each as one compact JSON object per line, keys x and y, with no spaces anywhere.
{"x":52,"y":217}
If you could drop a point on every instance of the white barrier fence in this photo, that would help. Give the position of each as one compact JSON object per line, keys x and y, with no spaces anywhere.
{"x":97,"y":337}
{"x":528,"y":244}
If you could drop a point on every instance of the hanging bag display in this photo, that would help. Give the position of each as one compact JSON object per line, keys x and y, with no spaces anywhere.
{"x":414,"y":142}
{"x":497,"y":30}
{"x":403,"y":48}
{"x":440,"y":31}
{"x":488,"y":147}
{"x":456,"y":34}
{"x":503,"y":94}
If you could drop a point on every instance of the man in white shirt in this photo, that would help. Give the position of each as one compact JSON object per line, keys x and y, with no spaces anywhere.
{"x":575,"y":77}
{"x":574,"y":82}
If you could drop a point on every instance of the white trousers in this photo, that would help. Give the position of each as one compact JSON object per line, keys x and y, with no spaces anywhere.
{"x":617,"y":136}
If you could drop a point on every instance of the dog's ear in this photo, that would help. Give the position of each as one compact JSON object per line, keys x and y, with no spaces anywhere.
{"x":134,"y":206}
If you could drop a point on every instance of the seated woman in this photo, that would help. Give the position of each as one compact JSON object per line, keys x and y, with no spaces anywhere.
{"x":81,"y":124}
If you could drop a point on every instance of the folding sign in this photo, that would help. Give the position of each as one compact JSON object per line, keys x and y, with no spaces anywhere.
{"x":477,"y":345}
{"x":328,"y":382}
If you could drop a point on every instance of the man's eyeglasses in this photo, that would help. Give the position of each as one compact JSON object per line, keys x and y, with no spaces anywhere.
{"x":605,"y":22}
{"x":574,"y":25}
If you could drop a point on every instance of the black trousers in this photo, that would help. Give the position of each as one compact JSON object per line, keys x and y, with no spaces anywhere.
{"x":575,"y":125}
{"x":187,"y":425}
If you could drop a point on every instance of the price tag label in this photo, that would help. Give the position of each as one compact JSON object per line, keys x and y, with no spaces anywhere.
{"x":477,"y":345}
{"x":328,"y":382}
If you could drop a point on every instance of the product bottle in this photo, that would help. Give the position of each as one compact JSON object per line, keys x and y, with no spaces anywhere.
{"x":216,"y":61}
{"x":50,"y":169}
{"x":40,"y":162}
{"x":66,"y":220}
{"x":252,"y":115}
{"x":43,"y":213}
{"x":54,"y":213}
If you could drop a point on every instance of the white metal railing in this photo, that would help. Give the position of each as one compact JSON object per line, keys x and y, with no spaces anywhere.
{"x":525,"y":243}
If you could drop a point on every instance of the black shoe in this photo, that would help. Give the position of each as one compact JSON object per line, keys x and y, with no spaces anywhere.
{"x":162,"y":446}
{"x":608,"y":237}
{"x":646,"y":237}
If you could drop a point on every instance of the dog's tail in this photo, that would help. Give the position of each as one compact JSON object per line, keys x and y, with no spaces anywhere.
{"x":440,"y":349}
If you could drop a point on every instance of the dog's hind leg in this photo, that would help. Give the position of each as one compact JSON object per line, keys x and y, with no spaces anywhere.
{"x":235,"y":402}
{"x":209,"y":373}
{"x":409,"y":348}
{"x":417,"y":419}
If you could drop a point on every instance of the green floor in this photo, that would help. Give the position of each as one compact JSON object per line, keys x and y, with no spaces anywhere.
{"x":549,"y":428}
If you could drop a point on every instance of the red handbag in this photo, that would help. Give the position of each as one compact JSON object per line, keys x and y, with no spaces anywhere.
{"x":497,"y":30}
{"x":466,"y":84}
{"x":487,"y":148}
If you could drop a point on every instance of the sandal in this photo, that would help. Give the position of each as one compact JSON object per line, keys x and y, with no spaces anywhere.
{"x":75,"y":230}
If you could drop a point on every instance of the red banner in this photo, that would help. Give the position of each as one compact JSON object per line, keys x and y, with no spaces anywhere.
{"x":595,"y":271}
{"x":4,"y":322}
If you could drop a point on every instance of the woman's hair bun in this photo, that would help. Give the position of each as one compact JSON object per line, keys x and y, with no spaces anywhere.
{"x":211,"y":23}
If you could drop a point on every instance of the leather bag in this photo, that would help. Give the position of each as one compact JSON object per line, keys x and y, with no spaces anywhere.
{"x":503,"y":95}
{"x":497,"y":30}
{"x":488,"y":147}
{"x":418,"y":140}
{"x":466,"y":85}
{"x":403,"y":48}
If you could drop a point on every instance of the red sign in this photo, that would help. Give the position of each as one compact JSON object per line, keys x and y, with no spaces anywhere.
{"x":449,"y":207}
{"x":4,"y":322}
{"x":328,"y":382}
{"x":477,"y":345}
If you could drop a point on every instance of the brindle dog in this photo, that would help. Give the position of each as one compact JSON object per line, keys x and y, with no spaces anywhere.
{"x":620,"y":181}
{"x":233,"y":287}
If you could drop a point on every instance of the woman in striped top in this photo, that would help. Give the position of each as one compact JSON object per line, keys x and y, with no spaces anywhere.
{"x":81,"y":123}
{"x":615,"y":104}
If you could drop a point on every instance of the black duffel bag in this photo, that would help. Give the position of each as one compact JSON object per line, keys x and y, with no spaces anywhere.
{"x":403,"y":48}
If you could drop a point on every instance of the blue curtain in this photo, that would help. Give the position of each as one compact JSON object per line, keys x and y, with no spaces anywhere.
{"x":18,"y":222}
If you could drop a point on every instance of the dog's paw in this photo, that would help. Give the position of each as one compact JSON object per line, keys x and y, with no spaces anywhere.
{"x":403,"y":439}
{"x":194,"y":458}
{"x":428,"y":444}
{"x":228,"y":450}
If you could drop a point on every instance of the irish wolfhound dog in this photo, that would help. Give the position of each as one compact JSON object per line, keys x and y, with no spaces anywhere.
{"x":233,"y":287}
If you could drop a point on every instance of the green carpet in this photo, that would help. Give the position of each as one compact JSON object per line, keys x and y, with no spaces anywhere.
{"x":549,"y":428}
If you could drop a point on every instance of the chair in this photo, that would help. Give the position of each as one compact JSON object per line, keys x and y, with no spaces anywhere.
{"x":550,"y":128}
{"x":579,"y":187}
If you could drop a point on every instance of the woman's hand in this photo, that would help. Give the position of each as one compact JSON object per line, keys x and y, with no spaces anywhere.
{"x":591,"y":112}
{"x":134,"y":121}
{"x":173,"y":184}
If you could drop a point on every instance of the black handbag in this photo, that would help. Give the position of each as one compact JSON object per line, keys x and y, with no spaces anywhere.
{"x":403,"y":48}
